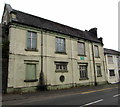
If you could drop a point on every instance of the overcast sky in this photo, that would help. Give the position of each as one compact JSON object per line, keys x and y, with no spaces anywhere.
{"x":80,"y":14}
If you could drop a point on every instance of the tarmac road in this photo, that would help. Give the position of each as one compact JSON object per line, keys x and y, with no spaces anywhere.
{"x":96,"y":95}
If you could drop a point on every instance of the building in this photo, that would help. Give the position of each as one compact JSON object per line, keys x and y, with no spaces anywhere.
{"x":112,"y":58}
{"x":47,"y":55}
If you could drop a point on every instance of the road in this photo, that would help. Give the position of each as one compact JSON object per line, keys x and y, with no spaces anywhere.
{"x":93,"y":96}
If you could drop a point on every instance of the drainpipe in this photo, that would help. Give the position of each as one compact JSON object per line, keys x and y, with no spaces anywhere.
{"x":72,"y":63}
{"x":95,"y":83}
{"x":41,"y":79}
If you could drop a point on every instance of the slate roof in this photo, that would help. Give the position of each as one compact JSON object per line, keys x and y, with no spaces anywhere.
{"x":111,"y":51}
{"x":31,"y":20}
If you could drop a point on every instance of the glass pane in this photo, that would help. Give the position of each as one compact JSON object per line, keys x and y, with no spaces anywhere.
{"x":28,"y":43}
{"x":34,"y":43}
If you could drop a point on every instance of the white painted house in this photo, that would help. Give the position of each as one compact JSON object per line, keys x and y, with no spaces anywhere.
{"x":112,"y":59}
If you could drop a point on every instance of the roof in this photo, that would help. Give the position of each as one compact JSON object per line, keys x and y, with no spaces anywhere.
{"x":111,"y":51}
{"x":35,"y":21}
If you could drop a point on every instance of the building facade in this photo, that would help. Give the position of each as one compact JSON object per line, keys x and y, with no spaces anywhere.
{"x":47,"y":55}
{"x":112,"y":58}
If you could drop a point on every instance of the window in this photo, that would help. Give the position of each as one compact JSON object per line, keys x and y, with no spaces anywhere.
{"x":83,"y":71}
{"x":96,"y":51}
{"x":110,"y":59}
{"x":99,"y":71}
{"x":81,"y":48}
{"x":30,"y":72}
{"x":112,"y":73}
{"x":31,"y":40}
{"x":61,"y":66}
{"x":60,"y":45}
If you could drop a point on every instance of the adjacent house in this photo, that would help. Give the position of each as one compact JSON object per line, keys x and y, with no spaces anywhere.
{"x":112,"y":59}
{"x":48,"y":55}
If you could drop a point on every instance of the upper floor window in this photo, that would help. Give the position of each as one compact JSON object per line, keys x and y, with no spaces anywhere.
{"x":81,"y":48}
{"x":96,"y":51}
{"x":110,"y":59}
{"x":31,"y":40}
{"x":60,"y":45}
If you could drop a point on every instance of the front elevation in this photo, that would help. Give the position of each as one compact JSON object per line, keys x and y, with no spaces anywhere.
{"x":49,"y":55}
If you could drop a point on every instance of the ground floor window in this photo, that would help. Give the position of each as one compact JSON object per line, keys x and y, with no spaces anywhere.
{"x":83,"y":71}
{"x":30,"y":75}
{"x":112,"y":72}
{"x":99,"y":74}
{"x":61,"y":66}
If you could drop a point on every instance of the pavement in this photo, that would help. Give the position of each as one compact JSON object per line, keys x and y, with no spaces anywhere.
{"x":42,"y":94}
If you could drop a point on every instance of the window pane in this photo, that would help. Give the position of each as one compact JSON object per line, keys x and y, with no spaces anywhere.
{"x":83,"y":71}
{"x":34,"y":45}
{"x":110,"y":59}
{"x":31,"y":40}
{"x":81,"y":48}
{"x":60,"y":45}
{"x":96,"y":51}
{"x":28,"y":43}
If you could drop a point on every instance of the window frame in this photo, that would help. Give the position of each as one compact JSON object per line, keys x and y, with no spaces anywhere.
{"x":99,"y":73}
{"x":110,"y":61}
{"x":96,"y":47}
{"x":30,"y":48}
{"x":85,"y":75}
{"x":113,"y":75}
{"x":56,"y":45}
{"x":79,"y":54}
{"x":30,"y":62}
{"x":62,"y":65}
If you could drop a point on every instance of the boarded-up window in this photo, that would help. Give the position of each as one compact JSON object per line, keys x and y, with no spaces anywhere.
{"x":31,"y":40}
{"x":110,"y":59}
{"x":30,"y":71}
{"x":60,"y":44}
{"x":81,"y":48}
{"x":96,"y":51}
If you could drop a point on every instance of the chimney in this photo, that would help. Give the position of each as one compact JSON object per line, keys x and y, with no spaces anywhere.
{"x":93,"y":31}
{"x":101,"y":39}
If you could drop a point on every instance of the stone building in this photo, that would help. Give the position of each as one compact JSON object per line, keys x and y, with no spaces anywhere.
{"x":47,"y":55}
{"x":112,"y":59}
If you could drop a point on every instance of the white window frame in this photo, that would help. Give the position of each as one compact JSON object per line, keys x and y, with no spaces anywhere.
{"x":83,"y":71}
{"x":61,"y":66}
{"x":32,"y":36}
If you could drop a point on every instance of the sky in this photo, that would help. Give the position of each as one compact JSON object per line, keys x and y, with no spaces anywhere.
{"x":80,"y":14}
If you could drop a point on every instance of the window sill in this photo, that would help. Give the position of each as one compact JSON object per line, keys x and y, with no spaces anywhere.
{"x":97,"y":57}
{"x":35,"y":50}
{"x":82,"y":55}
{"x":63,"y":71}
{"x":61,"y":53}
{"x":99,"y":76}
{"x":31,"y":80}
{"x":83,"y":78}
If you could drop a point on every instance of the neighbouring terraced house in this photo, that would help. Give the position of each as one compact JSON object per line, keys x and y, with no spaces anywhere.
{"x":112,"y":59}
{"x":47,"y":55}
